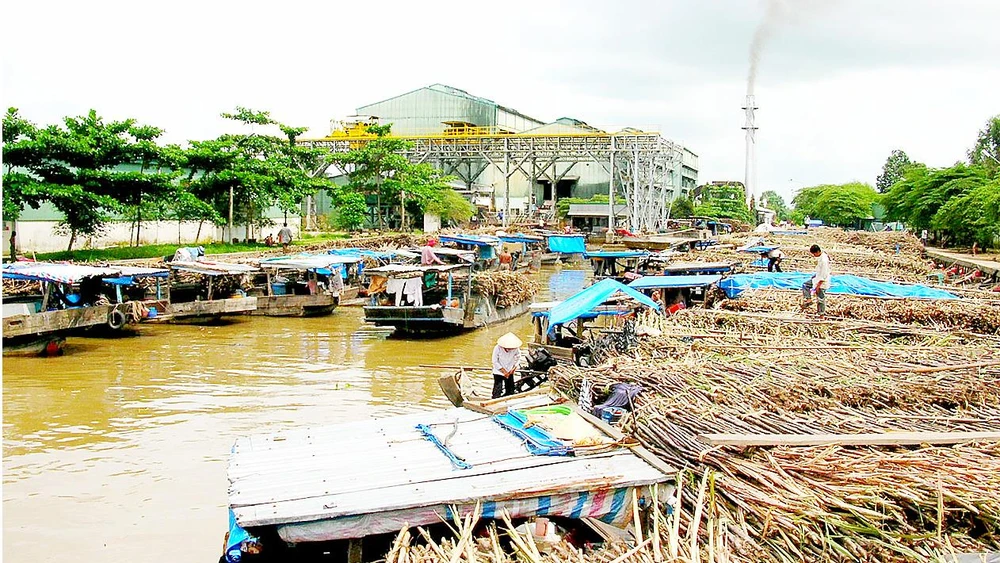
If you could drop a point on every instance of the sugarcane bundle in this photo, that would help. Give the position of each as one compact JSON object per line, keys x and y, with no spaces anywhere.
{"x":509,"y":288}
{"x":976,"y":316}
{"x":14,"y":288}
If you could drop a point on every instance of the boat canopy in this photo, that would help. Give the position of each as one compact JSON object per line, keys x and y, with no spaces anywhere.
{"x":670,"y":282}
{"x":364,"y":253}
{"x":567,"y":244}
{"x":58,"y":273}
{"x":407,"y":270}
{"x":758,"y":249}
{"x":843,"y":284}
{"x":473,"y":240}
{"x":616,"y":254}
{"x":212,"y":268}
{"x":521,"y":238}
{"x":309,"y":261}
{"x":588,"y":300}
{"x":698,"y":267}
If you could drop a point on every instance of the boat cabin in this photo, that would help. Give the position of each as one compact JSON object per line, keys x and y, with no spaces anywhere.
{"x":619,"y":265}
{"x":671,"y":291}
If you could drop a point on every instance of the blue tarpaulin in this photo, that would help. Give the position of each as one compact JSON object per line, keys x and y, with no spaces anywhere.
{"x":845,"y":284}
{"x":536,"y":438}
{"x":589,"y":299}
{"x":616,"y":254}
{"x":758,"y":249}
{"x":362,"y":252}
{"x":567,"y":244}
{"x":518,"y":238}
{"x":661,"y":282}
{"x":472,"y":240}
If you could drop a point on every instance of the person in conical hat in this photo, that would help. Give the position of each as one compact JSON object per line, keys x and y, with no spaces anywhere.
{"x":506,"y":357}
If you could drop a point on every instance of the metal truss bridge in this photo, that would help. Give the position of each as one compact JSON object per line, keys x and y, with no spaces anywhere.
{"x":642,"y":166}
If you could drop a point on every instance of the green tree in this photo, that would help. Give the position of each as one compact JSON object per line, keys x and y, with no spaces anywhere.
{"x":81,"y":168}
{"x":682,"y":207}
{"x":725,"y":201}
{"x":973,"y":216}
{"x":452,"y":207}
{"x":351,"y":207}
{"x":920,"y":194}
{"x":379,"y":171}
{"x":242,"y":175}
{"x":835,"y":204}
{"x":986,"y":151}
{"x":776,"y":203}
{"x":892,"y":170}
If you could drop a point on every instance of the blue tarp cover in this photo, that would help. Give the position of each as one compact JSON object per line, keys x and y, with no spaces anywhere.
{"x":516,"y":238}
{"x":616,"y":254}
{"x":362,"y":252}
{"x":845,"y":284}
{"x":538,"y":441}
{"x":567,"y":244}
{"x":590,"y":298}
{"x":758,"y":249}
{"x":474,"y":240}
{"x":660,"y":282}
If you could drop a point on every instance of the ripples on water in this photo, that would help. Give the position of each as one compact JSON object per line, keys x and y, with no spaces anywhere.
{"x":117,"y":449}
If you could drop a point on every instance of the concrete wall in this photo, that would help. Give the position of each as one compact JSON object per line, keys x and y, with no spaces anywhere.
{"x":43,"y":236}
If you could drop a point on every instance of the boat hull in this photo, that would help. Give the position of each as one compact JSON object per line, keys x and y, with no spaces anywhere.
{"x":442,"y":320}
{"x":296,"y":305}
{"x":33,"y":347}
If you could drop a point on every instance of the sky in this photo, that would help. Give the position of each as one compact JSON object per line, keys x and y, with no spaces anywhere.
{"x":839,"y":83}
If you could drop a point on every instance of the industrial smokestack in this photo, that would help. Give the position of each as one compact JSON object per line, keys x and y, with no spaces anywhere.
{"x":750,"y":173}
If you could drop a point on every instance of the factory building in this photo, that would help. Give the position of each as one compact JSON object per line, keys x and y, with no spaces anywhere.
{"x":507,"y":161}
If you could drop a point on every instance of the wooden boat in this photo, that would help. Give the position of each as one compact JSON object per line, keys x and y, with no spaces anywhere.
{"x":660,"y":242}
{"x":70,"y":301}
{"x":454,"y":386}
{"x":317,"y":291}
{"x":187,"y":303}
{"x":439,"y":298}
{"x":32,"y":347}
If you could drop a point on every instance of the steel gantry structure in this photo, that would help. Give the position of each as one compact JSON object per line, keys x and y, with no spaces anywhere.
{"x":642,"y":166}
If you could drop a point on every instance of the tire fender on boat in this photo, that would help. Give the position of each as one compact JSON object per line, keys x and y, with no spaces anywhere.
{"x":116,"y":319}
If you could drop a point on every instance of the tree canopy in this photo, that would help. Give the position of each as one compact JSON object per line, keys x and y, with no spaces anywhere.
{"x":241,"y":175}
{"x":81,"y":168}
{"x":776,"y":203}
{"x":726,"y":201}
{"x":986,"y":151}
{"x":380,"y":175}
{"x":835,"y":204}
{"x":892,"y":170}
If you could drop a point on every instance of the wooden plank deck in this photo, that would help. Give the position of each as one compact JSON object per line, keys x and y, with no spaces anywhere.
{"x":53,"y":322}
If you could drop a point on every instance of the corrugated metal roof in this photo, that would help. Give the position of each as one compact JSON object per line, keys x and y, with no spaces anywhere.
{"x":385,"y":465}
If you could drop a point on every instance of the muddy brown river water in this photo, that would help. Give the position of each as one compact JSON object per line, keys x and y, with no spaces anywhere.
{"x":117,"y":450}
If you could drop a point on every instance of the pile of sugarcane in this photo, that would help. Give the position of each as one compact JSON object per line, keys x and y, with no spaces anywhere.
{"x":14,"y":288}
{"x":976,"y":316}
{"x":831,"y":503}
{"x":881,"y":241}
{"x":509,"y":288}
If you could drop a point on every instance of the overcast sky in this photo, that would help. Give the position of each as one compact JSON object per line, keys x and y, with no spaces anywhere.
{"x":841,"y":82}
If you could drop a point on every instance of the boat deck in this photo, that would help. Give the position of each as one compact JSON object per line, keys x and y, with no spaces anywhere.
{"x":374,"y":476}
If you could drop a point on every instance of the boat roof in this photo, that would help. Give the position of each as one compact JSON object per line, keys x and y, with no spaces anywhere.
{"x":310,"y":261}
{"x":759,"y":248}
{"x":364,"y":252}
{"x":616,"y":254}
{"x":58,"y":273}
{"x":665,"y":282}
{"x":475,"y":240}
{"x":207,"y":268}
{"x":395,"y":269}
{"x":521,"y":238}
{"x":698,"y":267}
{"x":341,"y":481}
{"x":591,"y":298}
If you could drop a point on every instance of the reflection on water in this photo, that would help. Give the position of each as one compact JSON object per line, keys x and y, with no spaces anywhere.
{"x":118,"y":448}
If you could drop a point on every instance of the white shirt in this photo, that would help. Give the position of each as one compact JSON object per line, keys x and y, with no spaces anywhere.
{"x":505,"y":360}
{"x":776,"y":254}
{"x":822,"y":269}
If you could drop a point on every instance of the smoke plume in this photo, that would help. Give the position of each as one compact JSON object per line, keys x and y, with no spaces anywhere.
{"x":773,"y":14}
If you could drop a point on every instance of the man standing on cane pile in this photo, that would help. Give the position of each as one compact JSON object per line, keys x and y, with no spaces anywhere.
{"x":819,"y":283}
